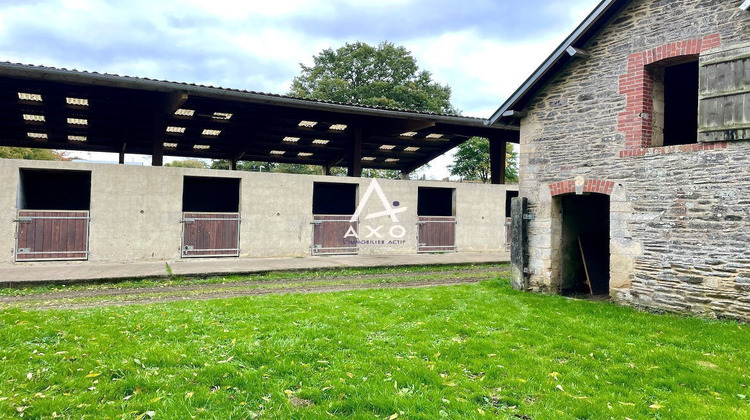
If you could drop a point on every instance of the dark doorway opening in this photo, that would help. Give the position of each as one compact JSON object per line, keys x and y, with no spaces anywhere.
{"x":681,"y":103}
{"x":334,"y":232}
{"x":53,"y":215}
{"x":206,"y":194}
{"x":436,"y":215}
{"x":210,"y":217}
{"x":436,"y":201}
{"x":585,"y":245}
{"x":334,"y":198}
{"x":41,"y":189}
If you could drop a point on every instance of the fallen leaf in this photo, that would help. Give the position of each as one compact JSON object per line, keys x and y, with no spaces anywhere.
{"x":655,"y":406}
{"x":189,"y":394}
{"x":156,"y":399}
{"x":560,"y":388}
{"x":92,"y":375}
{"x":393,"y":416}
{"x":554,"y":375}
{"x":349,"y":374}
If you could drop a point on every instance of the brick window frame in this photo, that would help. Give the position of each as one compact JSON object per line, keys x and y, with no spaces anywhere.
{"x":635,"y":122}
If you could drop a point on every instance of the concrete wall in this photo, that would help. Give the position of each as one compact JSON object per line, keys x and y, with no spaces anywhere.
{"x":136,"y":211}
{"x":680,"y":220}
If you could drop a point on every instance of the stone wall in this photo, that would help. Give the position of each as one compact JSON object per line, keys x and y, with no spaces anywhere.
{"x":680,"y":215}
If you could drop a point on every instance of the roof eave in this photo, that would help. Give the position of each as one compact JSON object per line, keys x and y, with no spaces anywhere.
{"x":558,"y":55}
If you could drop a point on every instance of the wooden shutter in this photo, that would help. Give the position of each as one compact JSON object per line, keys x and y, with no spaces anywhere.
{"x":724,"y":95}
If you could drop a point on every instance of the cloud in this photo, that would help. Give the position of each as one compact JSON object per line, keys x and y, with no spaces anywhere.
{"x":482,"y":50}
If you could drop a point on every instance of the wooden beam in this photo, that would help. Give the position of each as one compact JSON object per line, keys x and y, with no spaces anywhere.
{"x":498,"y":148}
{"x":175,"y":101}
{"x":354,"y":153}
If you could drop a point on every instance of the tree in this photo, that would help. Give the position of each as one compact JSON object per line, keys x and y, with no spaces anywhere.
{"x":472,"y":161}
{"x":249,"y":165}
{"x":360,"y":74}
{"x":29,"y":153}
{"x":188,"y":163}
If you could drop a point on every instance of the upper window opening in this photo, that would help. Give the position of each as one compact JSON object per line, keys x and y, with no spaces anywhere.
{"x":675,"y":104}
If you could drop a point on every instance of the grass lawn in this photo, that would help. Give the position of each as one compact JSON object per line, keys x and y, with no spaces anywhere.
{"x":469,"y":351}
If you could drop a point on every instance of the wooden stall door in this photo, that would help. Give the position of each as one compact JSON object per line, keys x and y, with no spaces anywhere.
{"x":436,"y":234}
{"x":52,"y":235}
{"x":330,"y":235}
{"x":210,"y":234}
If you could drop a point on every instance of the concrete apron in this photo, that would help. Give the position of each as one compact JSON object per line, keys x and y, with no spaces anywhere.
{"x":59,"y":273}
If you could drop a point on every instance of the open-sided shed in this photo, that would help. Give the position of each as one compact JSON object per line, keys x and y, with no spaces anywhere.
{"x":54,"y":108}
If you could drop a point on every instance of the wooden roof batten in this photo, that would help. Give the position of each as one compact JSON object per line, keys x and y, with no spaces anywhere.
{"x":121,"y":114}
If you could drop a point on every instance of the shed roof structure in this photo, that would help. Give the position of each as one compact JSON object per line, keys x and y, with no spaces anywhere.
{"x":53,"y":108}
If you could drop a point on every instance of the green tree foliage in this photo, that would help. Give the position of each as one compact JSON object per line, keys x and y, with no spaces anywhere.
{"x":361,"y":74}
{"x":472,"y":161}
{"x":298,"y":168}
{"x":188,"y":163}
{"x":250,"y":166}
{"x":29,"y":153}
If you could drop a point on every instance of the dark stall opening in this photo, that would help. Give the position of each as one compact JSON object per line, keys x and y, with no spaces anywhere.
{"x":333,"y":206}
{"x":211,"y":219}
{"x":585,"y":245}
{"x":53,"y":215}
{"x":210,"y":195}
{"x":334,"y":198}
{"x":436,"y":201}
{"x":436,"y":215}
{"x":42,"y":189}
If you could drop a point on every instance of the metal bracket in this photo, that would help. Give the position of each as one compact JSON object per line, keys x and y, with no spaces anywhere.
{"x":24,"y":250}
{"x":529,"y":216}
{"x":316,"y":222}
{"x":187,"y":220}
{"x":526,"y":270}
{"x":23,"y":220}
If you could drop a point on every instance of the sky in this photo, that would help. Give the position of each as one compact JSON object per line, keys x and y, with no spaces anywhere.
{"x":482,"y":49}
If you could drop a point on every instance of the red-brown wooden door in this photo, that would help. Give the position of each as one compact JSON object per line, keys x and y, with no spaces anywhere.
{"x":52,"y":235}
{"x":210,"y":234}
{"x":436,"y":234}
{"x":330,"y":235}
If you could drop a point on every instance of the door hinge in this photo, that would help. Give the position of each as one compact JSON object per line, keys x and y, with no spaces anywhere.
{"x":528,"y":216}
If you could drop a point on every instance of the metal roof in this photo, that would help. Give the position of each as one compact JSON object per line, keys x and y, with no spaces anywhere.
{"x":54,"y":108}
{"x":519,"y":100}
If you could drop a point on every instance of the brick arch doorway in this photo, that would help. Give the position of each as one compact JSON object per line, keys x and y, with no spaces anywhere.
{"x":584,"y":236}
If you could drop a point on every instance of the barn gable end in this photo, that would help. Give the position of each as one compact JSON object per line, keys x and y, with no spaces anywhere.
{"x":675,"y":169}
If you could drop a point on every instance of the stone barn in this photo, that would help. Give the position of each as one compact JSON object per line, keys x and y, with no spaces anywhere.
{"x":635,"y":159}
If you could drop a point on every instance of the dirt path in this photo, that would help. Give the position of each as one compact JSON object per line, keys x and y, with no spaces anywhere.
{"x":113,"y":296}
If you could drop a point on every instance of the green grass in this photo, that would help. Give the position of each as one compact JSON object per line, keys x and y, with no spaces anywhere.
{"x":471,"y":351}
{"x":324,"y":275}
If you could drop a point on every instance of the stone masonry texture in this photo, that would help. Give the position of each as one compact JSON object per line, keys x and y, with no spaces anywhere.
{"x":679,"y":215}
